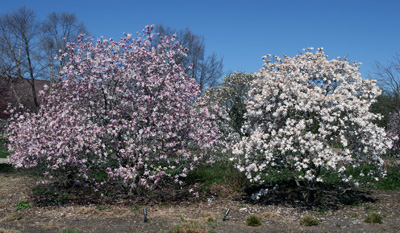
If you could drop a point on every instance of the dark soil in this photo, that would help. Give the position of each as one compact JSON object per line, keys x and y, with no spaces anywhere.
{"x":54,"y":209}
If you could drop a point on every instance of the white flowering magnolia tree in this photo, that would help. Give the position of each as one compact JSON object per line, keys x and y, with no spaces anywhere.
{"x":310,"y":116}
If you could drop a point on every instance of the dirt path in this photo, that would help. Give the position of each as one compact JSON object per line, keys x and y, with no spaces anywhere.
{"x":206,"y":215}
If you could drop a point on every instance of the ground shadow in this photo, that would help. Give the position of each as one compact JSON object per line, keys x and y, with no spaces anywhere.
{"x":329,"y":197}
{"x":55,"y":194}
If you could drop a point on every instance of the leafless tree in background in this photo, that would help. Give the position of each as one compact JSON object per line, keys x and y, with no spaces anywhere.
{"x":27,"y":50}
{"x":206,"y":70}
{"x":388,"y":77}
{"x":57,"y":30}
{"x":19,"y":54}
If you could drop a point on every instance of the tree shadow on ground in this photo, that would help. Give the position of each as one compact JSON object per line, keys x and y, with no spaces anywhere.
{"x":6,"y":168}
{"x":55,"y":194}
{"x":327,"y":197}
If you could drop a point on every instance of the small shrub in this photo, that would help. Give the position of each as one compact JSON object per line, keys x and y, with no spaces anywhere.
{"x":322,"y":212}
{"x":309,"y":221}
{"x":374,"y":218}
{"x":135,"y":207}
{"x":253,"y":221}
{"x":22,"y":205}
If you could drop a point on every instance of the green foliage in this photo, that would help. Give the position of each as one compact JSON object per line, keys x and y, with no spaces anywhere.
{"x":221,"y":172}
{"x":4,"y":152}
{"x":253,"y":221}
{"x":385,"y":107}
{"x":100,"y":176}
{"x":391,"y":181}
{"x":322,"y":212}
{"x":22,"y":205}
{"x":61,"y":198}
{"x":368,"y":207}
{"x":374,"y":218}
{"x":309,"y":221}
{"x":135,"y":207}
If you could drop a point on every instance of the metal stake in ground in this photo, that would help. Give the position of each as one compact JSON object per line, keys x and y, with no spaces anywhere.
{"x":226,"y":214}
{"x":145,"y":215}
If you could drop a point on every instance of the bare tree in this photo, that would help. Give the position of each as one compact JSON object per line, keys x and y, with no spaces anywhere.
{"x":388,"y":77}
{"x":19,"y":37}
{"x":27,"y":50}
{"x":57,"y":30}
{"x":206,"y":70}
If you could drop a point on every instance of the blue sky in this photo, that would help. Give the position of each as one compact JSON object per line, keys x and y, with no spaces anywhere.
{"x":243,"y":31}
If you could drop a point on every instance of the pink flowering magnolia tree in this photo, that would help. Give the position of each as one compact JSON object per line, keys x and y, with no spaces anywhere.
{"x":125,"y":109}
{"x":310,"y":116}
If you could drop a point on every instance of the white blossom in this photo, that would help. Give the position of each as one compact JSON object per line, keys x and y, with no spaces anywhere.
{"x":307,"y":113}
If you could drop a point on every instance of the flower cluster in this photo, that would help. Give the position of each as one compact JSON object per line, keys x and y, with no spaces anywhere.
{"x":124,"y":109}
{"x":309,"y":115}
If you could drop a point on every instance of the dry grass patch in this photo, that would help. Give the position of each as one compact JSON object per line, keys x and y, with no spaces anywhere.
{"x":208,"y":217}
{"x":188,"y":227}
{"x":12,"y":217}
{"x":2,"y":230}
{"x":50,"y":225}
{"x":271,"y":215}
{"x":87,"y":210}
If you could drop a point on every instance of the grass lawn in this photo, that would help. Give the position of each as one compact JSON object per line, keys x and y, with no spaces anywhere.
{"x":3,"y":152}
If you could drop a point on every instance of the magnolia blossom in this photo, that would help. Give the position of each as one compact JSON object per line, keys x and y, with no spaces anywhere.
{"x":309,"y":115}
{"x":123,"y":108}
